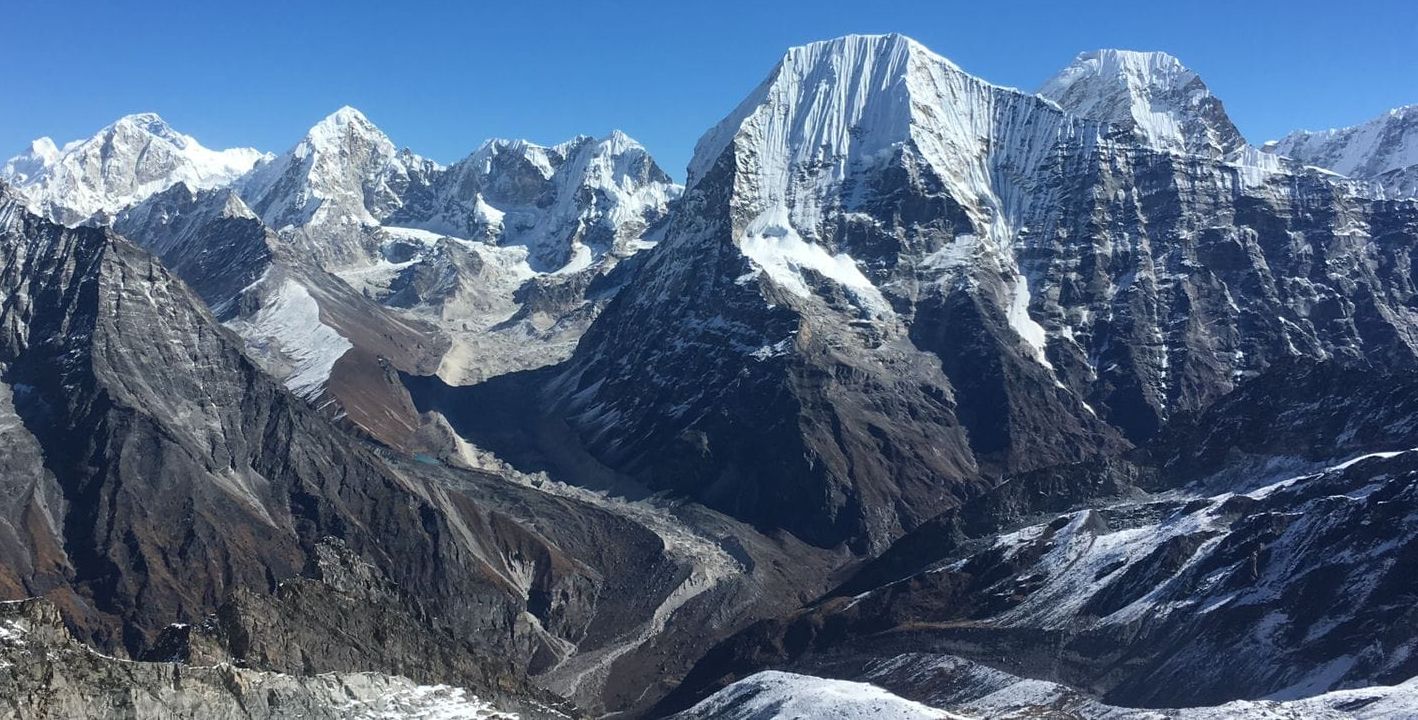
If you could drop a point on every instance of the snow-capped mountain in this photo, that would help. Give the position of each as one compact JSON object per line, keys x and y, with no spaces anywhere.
{"x":875,"y":233}
{"x":569,"y":204}
{"x":203,"y":480}
{"x":1149,"y":95}
{"x":1383,"y":150}
{"x":514,"y":249}
{"x":261,"y":251}
{"x":125,"y":163}
{"x":336,"y":184}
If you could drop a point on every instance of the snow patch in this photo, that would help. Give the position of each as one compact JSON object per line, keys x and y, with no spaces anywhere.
{"x":289,"y":324}
{"x":773,"y":245}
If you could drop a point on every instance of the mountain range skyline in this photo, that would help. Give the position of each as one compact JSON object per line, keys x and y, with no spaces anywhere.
{"x":475,"y":72}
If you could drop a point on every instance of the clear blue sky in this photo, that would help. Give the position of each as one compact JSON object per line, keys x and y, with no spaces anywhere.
{"x":441,"y":77}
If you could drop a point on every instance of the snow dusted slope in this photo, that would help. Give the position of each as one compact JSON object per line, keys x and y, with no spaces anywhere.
{"x":775,"y":695}
{"x":1383,"y":150}
{"x":125,"y":163}
{"x":1150,"y":95}
{"x":289,"y":326}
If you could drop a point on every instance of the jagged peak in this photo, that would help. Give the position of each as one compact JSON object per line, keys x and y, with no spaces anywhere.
{"x":234,"y":207}
{"x":343,"y":117}
{"x":1151,"y":93}
{"x":848,"y":96}
{"x":149,"y":121}
{"x":341,"y":123}
{"x":32,"y":163}
{"x":1143,"y":63}
{"x":1403,"y":113}
{"x":549,"y":157}
{"x":149,"y":124}
{"x":122,"y":164}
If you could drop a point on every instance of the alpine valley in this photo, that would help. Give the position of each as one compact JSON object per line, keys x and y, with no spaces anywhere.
{"x":923,"y":397}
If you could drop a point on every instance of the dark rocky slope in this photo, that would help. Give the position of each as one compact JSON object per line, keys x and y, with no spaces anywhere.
{"x":1278,"y":565}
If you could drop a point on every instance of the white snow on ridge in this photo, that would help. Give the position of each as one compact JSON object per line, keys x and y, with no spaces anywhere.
{"x":553,"y":200}
{"x":774,"y":695}
{"x":288,"y":325}
{"x":1380,"y":149}
{"x":1151,"y":93}
{"x":123,"y":164}
{"x":423,"y":702}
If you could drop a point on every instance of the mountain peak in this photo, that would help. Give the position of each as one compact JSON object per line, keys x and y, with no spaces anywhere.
{"x":343,"y":117}
{"x":345,"y":170}
{"x":149,"y":121}
{"x":1162,"y":102}
{"x":126,"y":162}
{"x":1140,"y":63}
{"x":342,"y":123}
{"x":819,"y":98}
{"x":1383,"y":150}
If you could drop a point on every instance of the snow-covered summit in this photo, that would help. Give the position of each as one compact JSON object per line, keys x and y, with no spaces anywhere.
{"x":1383,"y":150}
{"x":345,"y":170}
{"x":123,"y":164}
{"x":826,"y":99}
{"x":838,"y":109}
{"x":569,"y":203}
{"x":1151,"y":94}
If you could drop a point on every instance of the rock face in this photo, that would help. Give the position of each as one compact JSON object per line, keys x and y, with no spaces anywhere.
{"x":891,"y":281}
{"x":123,"y":164}
{"x":307,"y":327}
{"x":46,"y":673}
{"x":1383,"y":150}
{"x":161,"y":442}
